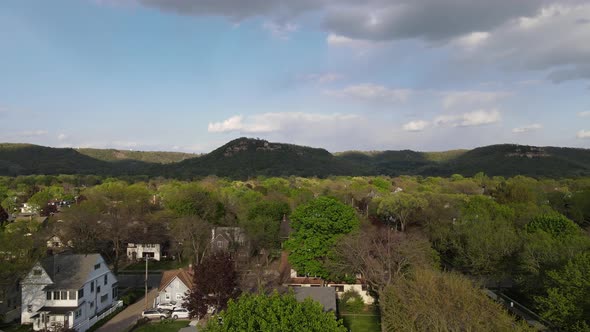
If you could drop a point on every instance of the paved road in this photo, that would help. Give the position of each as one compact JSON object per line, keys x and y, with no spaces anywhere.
{"x":129,"y":316}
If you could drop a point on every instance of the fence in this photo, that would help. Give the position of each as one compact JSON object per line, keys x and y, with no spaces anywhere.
{"x":82,"y":327}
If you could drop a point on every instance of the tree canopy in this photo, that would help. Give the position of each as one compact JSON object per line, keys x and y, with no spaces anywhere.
{"x":274,"y":313}
{"x":317,"y":226}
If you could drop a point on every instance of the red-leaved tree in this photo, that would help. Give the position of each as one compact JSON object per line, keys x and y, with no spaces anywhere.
{"x":214,"y":283}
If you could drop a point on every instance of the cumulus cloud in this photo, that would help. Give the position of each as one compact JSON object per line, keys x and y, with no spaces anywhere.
{"x":528,"y":128}
{"x":278,"y":121}
{"x":62,"y":137}
{"x":525,"y":34}
{"x":373,"y":92}
{"x":549,"y":39}
{"x":584,"y":114}
{"x":469,"y":119}
{"x":583,"y":134}
{"x":418,"y":125}
{"x":231,"y":124}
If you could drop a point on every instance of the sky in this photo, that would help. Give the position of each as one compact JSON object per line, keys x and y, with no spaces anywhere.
{"x":190,"y":75}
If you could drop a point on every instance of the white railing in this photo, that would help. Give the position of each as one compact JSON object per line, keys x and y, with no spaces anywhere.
{"x":88,"y":323}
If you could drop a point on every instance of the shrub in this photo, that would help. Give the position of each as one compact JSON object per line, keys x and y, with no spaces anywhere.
{"x":352,"y":301}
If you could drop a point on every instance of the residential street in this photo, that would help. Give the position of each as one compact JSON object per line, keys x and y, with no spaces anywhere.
{"x":129,"y":316}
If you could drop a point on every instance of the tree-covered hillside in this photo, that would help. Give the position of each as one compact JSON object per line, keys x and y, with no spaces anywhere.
{"x":244,"y":157}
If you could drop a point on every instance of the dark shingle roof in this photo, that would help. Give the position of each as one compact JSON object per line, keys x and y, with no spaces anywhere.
{"x":326,"y":296}
{"x":70,"y":271}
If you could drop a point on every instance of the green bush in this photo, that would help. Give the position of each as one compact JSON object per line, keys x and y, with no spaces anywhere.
{"x":352,"y":301}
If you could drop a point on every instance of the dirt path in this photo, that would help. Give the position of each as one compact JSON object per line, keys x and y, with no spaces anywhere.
{"x":129,"y":316}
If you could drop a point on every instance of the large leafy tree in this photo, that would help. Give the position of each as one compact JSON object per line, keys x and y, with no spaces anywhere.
{"x":567,"y":301}
{"x":317,"y":226}
{"x":398,"y":209}
{"x":214,"y":283}
{"x":274,"y":313}
{"x":431,"y":300}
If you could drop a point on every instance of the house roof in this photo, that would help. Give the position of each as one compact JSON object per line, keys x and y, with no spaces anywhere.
{"x":182,"y":274}
{"x":230,"y":234}
{"x":70,"y":271}
{"x":57,"y":310}
{"x":326,"y":296}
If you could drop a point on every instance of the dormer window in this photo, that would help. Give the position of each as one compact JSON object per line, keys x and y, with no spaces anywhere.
{"x":37,"y":272}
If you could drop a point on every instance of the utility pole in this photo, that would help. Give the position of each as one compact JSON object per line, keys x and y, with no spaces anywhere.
{"x":146,"y":281}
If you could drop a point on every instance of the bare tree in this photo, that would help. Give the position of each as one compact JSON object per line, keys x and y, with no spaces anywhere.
{"x":192,"y":234}
{"x":381,"y":255}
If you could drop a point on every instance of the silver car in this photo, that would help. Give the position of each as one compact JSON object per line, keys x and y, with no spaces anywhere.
{"x":153,"y":314}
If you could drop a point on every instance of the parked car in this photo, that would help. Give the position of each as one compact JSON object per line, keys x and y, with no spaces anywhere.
{"x":153,"y":314}
{"x":167,"y":305}
{"x":179,"y":313}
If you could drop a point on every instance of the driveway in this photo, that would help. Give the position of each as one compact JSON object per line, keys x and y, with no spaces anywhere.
{"x":129,"y":316}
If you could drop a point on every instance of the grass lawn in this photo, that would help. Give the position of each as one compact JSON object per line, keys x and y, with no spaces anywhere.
{"x":17,"y":328}
{"x":362,"y":323}
{"x":168,"y":326}
{"x":155,"y":265}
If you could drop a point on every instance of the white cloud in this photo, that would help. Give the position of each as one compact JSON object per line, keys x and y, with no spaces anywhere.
{"x":470,"y":99}
{"x":62,"y":137}
{"x":232,"y":124}
{"x":342,"y":41}
{"x":418,"y":125}
{"x":278,"y":121}
{"x":584,"y":114}
{"x":321,"y":78}
{"x":583,"y":134}
{"x":370,"y":91}
{"x":472,"y":40}
{"x":280,"y":30}
{"x":469,"y":119}
{"x":527,"y":128}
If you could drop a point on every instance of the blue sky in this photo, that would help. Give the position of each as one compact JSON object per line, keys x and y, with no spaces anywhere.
{"x":190,"y":75}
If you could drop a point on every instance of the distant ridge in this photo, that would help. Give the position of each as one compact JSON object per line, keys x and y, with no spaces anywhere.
{"x":246,"y":157}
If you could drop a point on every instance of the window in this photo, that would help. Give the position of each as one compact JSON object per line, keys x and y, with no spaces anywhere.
{"x":167,"y":297}
{"x":97,"y":266}
{"x":115,"y":292}
{"x":91,"y":304}
{"x":106,"y":278}
{"x":72,"y":295}
{"x":30,"y":308}
{"x":339,"y":289}
{"x":104,"y":298}
{"x":92,"y":287}
{"x":98,"y":289}
{"x":178,"y":296}
{"x":64,"y":295}
{"x":56,"y":295}
{"x":49,"y":295}
{"x":37,"y":272}
{"x":81,"y":293}
{"x":78,"y":313}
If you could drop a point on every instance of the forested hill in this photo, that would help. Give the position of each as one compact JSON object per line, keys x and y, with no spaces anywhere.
{"x":244,"y":157}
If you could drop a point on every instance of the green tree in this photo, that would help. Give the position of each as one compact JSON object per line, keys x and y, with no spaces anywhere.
{"x":567,"y":302}
{"x":399,"y":208}
{"x":317,"y":226}
{"x":557,"y":225}
{"x":274,"y":313}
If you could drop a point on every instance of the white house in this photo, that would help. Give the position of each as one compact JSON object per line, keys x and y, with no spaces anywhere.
{"x":72,"y":291}
{"x":138,"y":251}
{"x":174,"y":286}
